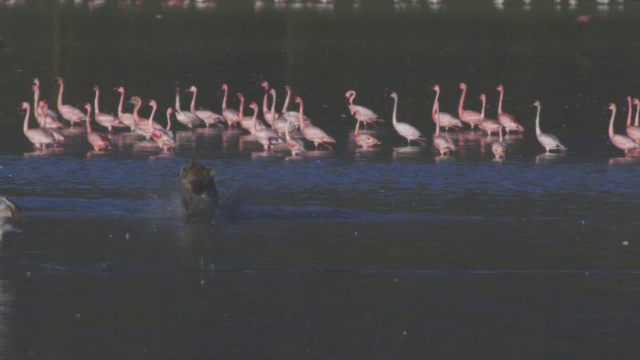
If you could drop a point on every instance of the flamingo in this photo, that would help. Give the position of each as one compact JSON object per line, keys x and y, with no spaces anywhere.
{"x":57,"y":134}
{"x":163,"y":137}
{"x":507,"y":121}
{"x":361,"y":113}
{"x":404,"y":129}
{"x":231,"y":116}
{"x":499,"y":148}
{"x":444,"y":144}
{"x":365,"y":140}
{"x":50,"y":112}
{"x":127,"y":118}
{"x":250,"y":123}
{"x":142,"y":126}
{"x":470,"y":117}
{"x":296,"y":146}
{"x":445,"y":120}
{"x":269,"y":115}
{"x":548,"y":141}
{"x":107,"y":120}
{"x":72,"y":114}
{"x":296,"y":117}
{"x":265,"y":136}
{"x":209,"y":117}
{"x":187,"y":118}
{"x":100,"y":142}
{"x":488,"y":125}
{"x":312,"y":132}
{"x":622,"y":142}
{"x":633,"y":131}
{"x":46,"y":118}
{"x":39,"y":137}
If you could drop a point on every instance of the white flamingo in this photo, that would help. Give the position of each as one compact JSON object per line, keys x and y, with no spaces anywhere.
{"x":141,"y":125}
{"x":633,"y":131}
{"x":209,"y":117}
{"x":446,"y":120}
{"x":99,"y":142}
{"x":231,"y":116}
{"x":622,"y":142}
{"x":488,"y":125}
{"x":127,"y":118}
{"x":39,"y":137}
{"x":405,"y":130}
{"x":296,"y":117}
{"x":50,"y":112}
{"x":361,"y":113}
{"x":107,"y":120}
{"x":46,"y":118}
{"x":311,"y":132}
{"x":72,"y":114}
{"x":187,"y":118}
{"x":548,"y":141}
{"x":57,"y":134}
{"x":443,"y":143}
{"x":507,"y":121}
{"x":251,"y":123}
{"x":280,"y":123}
{"x":470,"y":117}
{"x":269,"y":115}
{"x":163,"y":137}
{"x":265,"y":136}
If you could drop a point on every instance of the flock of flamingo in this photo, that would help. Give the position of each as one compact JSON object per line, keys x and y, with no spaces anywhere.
{"x":288,"y":129}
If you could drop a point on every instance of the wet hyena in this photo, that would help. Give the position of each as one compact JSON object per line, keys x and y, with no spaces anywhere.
{"x":199,"y":193}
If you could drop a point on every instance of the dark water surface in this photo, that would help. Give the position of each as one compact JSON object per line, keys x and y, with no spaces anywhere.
{"x":386,"y":254}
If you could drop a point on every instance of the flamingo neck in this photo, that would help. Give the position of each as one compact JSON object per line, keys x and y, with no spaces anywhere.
{"x":169,"y":119}
{"x":538,"y":121}
{"x":637,"y":113}
{"x":153,"y":113}
{"x":500,"y":101}
{"x":613,"y":115}
{"x":265,"y":104}
{"x":241,"y":110}
{"x":136,"y":116}
{"x":286,"y":102}
{"x":177,"y":99}
{"x":95,"y":101}
{"x":357,"y":127}
{"x":484,"y":103}
{"x":395,"y":110}
{"x":120,"y":104}
{"x":36,"y":97}
{"x":273,"y":106}
{"x":89,"y":121}
{"x":351,"y":97}
{"x":435,"y":102}
{"x":193,"y":100}
{"x":461,"y":104}
{"x":437,"y":110}
{"x":60,"y":94}
{"x":25,"y":126}
{"x":630,"y":111}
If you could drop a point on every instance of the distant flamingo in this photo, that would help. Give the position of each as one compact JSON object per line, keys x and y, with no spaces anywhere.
{"x":470,"y":117}
{"x":209,"y":117}
{"x":99,"y":142}
{"x":443,"y":143}
{"x":251,"y":123}
{"x":361,"y":113}
{"x":365,"y":140}
{"x":280,"y":123}
{"x":39,"y":137}
{"x":72,"y":114}
{"x":269,"y":115}
{"x":187,"y":118}
{"x":312,"y":132}
{"x":141,"y":125}
{"x":296,"y":117}
{"x":231,"y":116}
{"x":127,"y":118}
{"x":499,"y":148}
{"x":57,"y":134}
{"x":446,"y":120}
{"x":488,"y":125}
{"x":48,"y":118}
{"x":548,"y":141}
{"x":405,"y":130}
{"x":265,"y":136}
{"x":163,"y":137}
{"x":622,"y":142}
{"x":633,"y":131}
{"x":107,"y":120}
{"x":507,"y":121}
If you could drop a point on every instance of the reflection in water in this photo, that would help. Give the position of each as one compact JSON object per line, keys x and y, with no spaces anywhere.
{"x":549,"y":157}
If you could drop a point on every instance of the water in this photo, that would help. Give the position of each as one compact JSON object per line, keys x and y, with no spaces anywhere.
{"x":389,"y":253}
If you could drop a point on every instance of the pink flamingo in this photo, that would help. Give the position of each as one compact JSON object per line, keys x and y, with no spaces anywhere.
{"x":361,"y":113}
{"x":57,"y":134}
{"x":507,"y":121}
{"x":107,"y":120}
{"x":488,"y":125}
{"x":187,"y":118}
{"x":404,"y":129}
{"x":269,"y":115}
{"x":312,"y":132}
{"x":622,"y":142}
{"x":470,"y":117}
{"x":280,"y":123}
{"x":265,"y":136}
{"x":46,"y":118}
{"x":127,"y":118}
{"x":548,"y":141}
{"x":99,"y":142}
{"x":446,"y":120}
{"x":633,"y":131}
{"x":50,"y":112}
{"x":209,"y":117}
{"x":296,"y":117}
{"x":443,"y":143}
{"x":231,"y":116}
{"x":163,"y":137}
{"x":69,"y":112}
{"x":142,"y":125}
{"x":39,"y":137}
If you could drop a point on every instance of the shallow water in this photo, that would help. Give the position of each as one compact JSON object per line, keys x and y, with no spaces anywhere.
{"x":388,"y":253}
